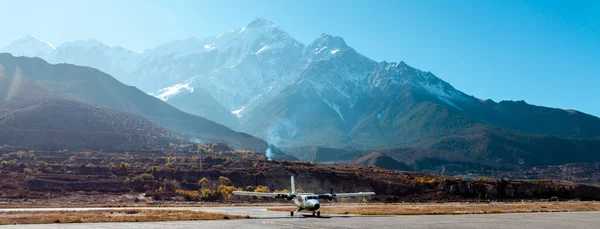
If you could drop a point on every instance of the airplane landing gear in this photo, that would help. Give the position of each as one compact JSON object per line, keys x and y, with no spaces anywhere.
{"x":292,"y":213}
{"x":319,"y":213}
{"x":313,"y":213}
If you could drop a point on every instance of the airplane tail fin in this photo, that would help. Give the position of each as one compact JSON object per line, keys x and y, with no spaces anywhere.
{"x":293,"y":187}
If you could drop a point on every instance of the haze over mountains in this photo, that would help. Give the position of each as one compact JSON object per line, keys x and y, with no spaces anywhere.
{"x":35,"y":117}
{"x":88,"y":86}
{"x":260,"y":80}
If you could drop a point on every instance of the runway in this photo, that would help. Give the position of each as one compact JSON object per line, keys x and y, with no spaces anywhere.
{"x":269,"y":219}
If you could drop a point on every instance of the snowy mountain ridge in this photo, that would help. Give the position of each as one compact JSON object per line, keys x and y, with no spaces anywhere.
{"x":246,"y":68}
{"x":30,"y":46}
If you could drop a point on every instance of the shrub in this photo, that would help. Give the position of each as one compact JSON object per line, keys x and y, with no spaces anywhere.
{"x":137,"y":179}
{"x":208,"y":194}
{"x":42,"y":164}
{"x":203,"y":183}
{"x":7,"y":163}
{"x":281,"y":191}
{"x":225,"y":191}
{"x":124,"y":166}
{"x":172,"y":185}
{"x":261,"y":188}
{"x":147,"y":176}
{"x":143,"y":177}
{"x":27,"y":171}
{"x":225,"y":181}
{"x":188,"y":195}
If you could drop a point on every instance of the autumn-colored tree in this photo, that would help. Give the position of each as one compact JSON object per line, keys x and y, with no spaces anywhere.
{"x":209,"y":195}
{"x":203,"y":183}
{"x":225,"y":191}
{"x":124,"y":166}
{"x":281,"y":191}
{"x":27,"y":171}
{"x":261,"y":188}
{"x":225,"y":181}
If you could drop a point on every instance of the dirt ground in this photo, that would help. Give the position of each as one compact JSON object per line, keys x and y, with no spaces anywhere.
{"x":457,"y":208}
{"x":46,"y":217}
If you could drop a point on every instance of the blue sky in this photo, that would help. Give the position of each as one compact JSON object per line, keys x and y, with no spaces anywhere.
{"x":544,"y":52}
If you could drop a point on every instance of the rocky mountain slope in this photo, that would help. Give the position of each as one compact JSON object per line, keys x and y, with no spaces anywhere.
{"x":260,"y":80}
{"x":34,"y":117}
{"x":94,"y":87}
{"x":383,"y":161}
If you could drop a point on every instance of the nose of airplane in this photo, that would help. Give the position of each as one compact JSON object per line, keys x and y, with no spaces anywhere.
{"x":314,"y":204}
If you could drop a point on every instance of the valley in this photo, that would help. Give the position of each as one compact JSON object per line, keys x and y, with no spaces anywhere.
{"x":176,"y":175}
{"x":259,"y":106}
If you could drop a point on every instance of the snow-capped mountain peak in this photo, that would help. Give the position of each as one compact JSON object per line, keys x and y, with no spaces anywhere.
{"x":325,"y":47}
{"x":84,"y":43}
{"x":391,"y":76}
{"x":32,"y":38}
{"x":259,"y":22}
{"x":328,"y":41}
{"x":29,"y":45}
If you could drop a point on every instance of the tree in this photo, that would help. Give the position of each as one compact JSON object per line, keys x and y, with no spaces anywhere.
{"x":225,"y":181}
{"x":281,"y":191}
{"x":42,"y":164}
{"x":27,"y":171}
{"x":124,"y":166}
{"x":173,"y":185}
{"x":261,"y":188}
{"x":203,"y":183}
{"x":143,"y":177}
{"x":225,"y":191}
{"x":208,"y":194}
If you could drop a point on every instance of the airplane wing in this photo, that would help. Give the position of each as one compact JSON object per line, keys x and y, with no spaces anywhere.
{"x":331,"y":196}
{"x":354,"y":194}
{"x":263,"y":194}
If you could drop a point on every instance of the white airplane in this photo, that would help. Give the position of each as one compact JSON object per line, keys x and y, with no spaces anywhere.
{"x":304,"y":201}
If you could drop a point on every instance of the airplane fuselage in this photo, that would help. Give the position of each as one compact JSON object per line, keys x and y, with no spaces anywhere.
{"x":307,"y":202}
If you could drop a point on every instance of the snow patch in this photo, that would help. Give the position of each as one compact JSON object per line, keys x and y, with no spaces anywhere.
{"x":334,"y":51}
{"x":264,"y":48}
{"x":449,"y":102}
{"x":165,"y":93}
{"x":210,"y":46}
{"x":441,"y":94}
{"x":318,"y":50}
{"x":243,"y":29}
{"x":238,"y":113}
{"x":336,"y":108}
{"x":380,"y":115}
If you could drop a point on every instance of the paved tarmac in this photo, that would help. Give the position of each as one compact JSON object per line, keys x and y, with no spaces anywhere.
{"x":268,"y":219}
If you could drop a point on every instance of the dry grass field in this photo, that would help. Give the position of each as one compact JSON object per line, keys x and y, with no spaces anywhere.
{"x":456,"y":208}
{"x":45,"y":217}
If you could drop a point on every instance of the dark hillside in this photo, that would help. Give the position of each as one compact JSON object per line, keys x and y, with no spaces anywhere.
{"x":31,"y":116}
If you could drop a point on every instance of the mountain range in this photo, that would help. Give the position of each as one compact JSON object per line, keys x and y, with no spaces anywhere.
{"x":32,"y":116}
{"x":84,"y":86}
{"x":260,"y":80}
